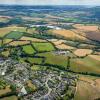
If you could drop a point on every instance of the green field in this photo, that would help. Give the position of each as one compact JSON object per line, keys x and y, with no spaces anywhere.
{"x":43,"y":46}
{"x":53,"y":59}
{"x":28,"y":49}
{"x":14,"y":35}
{"x":34,"y":60}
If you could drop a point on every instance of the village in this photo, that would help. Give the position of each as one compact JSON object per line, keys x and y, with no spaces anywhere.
{"x":48,"y":84}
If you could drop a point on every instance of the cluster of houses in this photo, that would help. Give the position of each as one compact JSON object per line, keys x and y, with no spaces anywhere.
{"x":50,"y":84}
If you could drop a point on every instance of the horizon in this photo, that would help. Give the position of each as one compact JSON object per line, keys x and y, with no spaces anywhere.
{"x":52,"y":2}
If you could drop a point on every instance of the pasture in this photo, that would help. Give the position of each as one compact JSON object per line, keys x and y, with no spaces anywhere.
{"x":28,"y":49}
{"x":14,"y":35}
{"x":40,"y":47}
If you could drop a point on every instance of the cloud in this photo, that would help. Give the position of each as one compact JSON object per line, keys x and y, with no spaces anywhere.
{"x":51,"y":2}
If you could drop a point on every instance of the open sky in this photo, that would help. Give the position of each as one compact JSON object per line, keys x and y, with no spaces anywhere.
{"x":51,"y":2}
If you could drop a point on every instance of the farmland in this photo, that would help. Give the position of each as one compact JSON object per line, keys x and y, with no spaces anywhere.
{"x":49,"y":53}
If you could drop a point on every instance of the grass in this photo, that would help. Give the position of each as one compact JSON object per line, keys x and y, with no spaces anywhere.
{"x":86,"y":64}
{"x":54,"y":59}
{"x":34,"y":60}
{"x":28,"y":49}
{"x":5,"y":53}
{"x":14,"y":35}
{"x":43,"y":46}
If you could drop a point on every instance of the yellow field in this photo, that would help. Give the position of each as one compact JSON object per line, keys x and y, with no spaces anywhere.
{"x":58,"y":42}
{"x":64,"y":46}
{"x":69,"y":34}
{"x":87,"y":88}
{"x":6,"y":41}
{"x":82,"y":52}
{"x":6,"y":30}
{"x":18,"y":43}
{"x":86,"y":27}
{"x":32,"y":39}
{"x":6,"y":90}
{"x":96,"y":57}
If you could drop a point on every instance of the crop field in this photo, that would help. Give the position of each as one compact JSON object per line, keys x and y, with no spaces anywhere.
{"x":34,"y":60}
{"x":28,"y":49}
{"x":6,"y":41}
{"x":50,"y":52}
{"x":93,"y":35}
{"x":43,"y":46}
{"x":86,"y":64}
{"x":87,"y":88}
{"x":95,"y":57}
{"x":54,"y":59}
{"x":32,"y":39}
{"x":5,"y":30}
{"x":64,"y":46}
{"x":14,"y":35}
{"x":86,"y":27}
{"x":69,"y":35}
{"x":19,"y":43}
{"x":82,"y":52}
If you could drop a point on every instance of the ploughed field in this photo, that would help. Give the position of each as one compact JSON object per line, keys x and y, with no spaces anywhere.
{"x":69,"y":50}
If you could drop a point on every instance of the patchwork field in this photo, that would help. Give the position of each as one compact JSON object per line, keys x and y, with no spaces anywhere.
{"x":86,"y":64}
{"x":54,"y":59}
{"x":69,"y":35}
{"x":14,"y":35}
{"x":5,"y":30}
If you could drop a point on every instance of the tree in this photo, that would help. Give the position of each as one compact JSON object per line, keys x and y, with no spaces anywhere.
{"x":42,"y":29}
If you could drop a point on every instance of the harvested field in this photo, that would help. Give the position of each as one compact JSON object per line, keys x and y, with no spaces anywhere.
{"x":93,"y":35}
{"x":96,"y":57}
{"x":18,"y":43}
{"x":69,"y":34}
{"x":59,"y":42}
{"x":86,"y":27}
{"x":82,"y":52}
{"x":6,"y":41}
{"x":32,"y":39}
{"x":87,"y":88}
{"x":64,"y":46}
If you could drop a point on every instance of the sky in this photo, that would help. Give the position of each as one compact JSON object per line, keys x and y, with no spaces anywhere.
{"x":51,"y":2}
